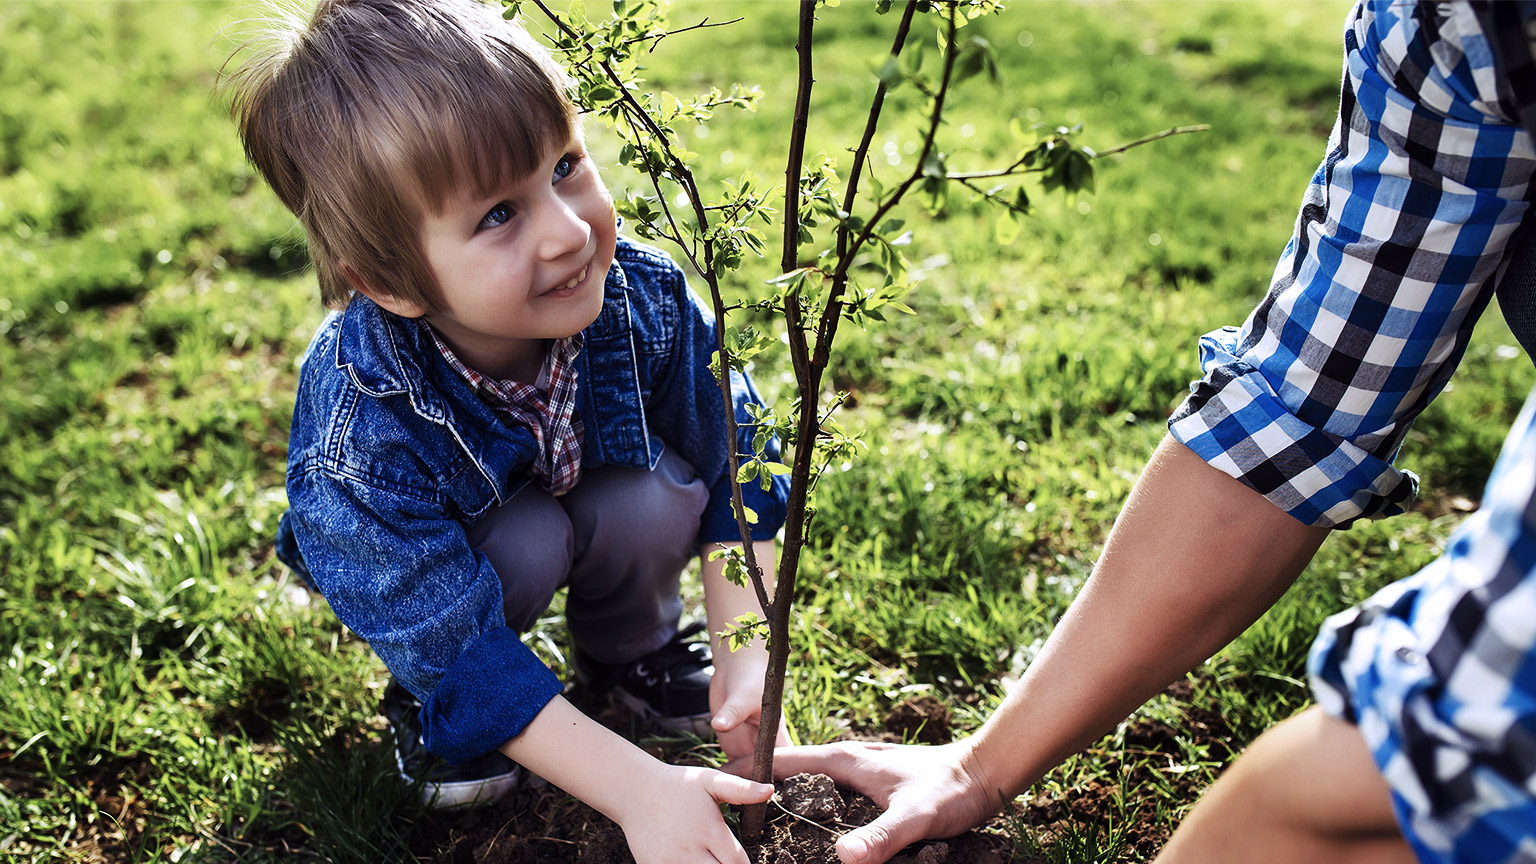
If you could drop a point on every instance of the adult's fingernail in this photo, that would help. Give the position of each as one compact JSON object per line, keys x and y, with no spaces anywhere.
{"x":857,"y":849}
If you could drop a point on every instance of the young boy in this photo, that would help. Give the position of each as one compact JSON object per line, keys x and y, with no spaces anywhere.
{"x":508,"y":399}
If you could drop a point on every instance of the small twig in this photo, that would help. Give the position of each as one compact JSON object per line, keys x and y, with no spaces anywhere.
{"x":1166,"y":133}
{"x":990,"y":196}
{"x":655,"y":38}
{"x":862,"y":151}
{"x":793,"y":814}
{"x":684,"y":178}
{"x":1013,"y":170}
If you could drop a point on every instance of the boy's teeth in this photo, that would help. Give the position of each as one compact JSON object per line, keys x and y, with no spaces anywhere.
{"x":577,"y":280}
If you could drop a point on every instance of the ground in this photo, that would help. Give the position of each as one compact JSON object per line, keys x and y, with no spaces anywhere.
{"x":544,"y":825}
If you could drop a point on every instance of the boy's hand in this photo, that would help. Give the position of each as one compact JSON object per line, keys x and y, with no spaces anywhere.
{"x":736,"y":690}
{"x":675,"y":817}
{"x":669,"y":813}
{"x":736,"y":702}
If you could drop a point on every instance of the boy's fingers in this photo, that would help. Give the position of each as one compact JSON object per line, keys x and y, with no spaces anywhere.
{"x":735,"y":711}
{"x":732,"y":854}
{"x":725,"y":719}
{"x":730,"y":789}
{"x":727,"y":850}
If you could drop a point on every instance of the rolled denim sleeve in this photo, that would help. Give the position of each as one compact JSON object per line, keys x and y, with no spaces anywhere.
{"x":718,"y":523}
{"x":1401,"y":235}
{"x":400,"y":573}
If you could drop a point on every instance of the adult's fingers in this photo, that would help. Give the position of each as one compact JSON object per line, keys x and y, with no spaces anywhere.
{"x":741,"y":766}
{"x":841,"y":762}
{"x":876,"y":842}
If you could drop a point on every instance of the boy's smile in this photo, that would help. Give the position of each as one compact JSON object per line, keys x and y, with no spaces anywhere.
{"x":521,"y":265}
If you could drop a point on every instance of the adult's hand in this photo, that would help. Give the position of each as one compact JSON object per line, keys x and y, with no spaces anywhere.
{"x":1193,"y":559}
{"x":926,"y":791}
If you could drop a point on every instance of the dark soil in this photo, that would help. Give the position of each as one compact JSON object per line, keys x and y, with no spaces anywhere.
{"x":542,"y":826}
{"x":546,"y":826}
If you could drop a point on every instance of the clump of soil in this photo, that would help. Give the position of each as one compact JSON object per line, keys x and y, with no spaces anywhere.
{"x":795,"y":837}
{"x":810,"y":813}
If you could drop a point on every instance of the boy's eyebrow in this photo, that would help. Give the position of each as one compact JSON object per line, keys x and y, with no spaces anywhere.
{"x":488,"y":194}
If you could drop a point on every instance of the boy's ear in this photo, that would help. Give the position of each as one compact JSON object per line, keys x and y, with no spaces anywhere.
{"x":399,"y":306}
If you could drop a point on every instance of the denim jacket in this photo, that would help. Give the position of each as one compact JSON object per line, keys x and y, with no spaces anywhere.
{"x":392,"y":454}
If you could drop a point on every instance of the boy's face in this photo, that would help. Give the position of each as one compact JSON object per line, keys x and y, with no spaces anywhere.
{"x":522,"y":265}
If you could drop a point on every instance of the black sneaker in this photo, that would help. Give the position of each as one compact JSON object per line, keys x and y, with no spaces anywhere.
{"x":668,"y":687}
{"x":443,"y":786}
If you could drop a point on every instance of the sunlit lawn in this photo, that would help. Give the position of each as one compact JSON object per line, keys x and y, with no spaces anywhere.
{"x":169,"y":691}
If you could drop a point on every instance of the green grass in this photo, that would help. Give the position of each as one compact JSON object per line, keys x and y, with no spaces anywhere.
{"x":168,"y":694}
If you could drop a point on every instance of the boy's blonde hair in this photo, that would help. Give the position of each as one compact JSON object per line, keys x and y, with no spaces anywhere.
{"x":371,"y":112}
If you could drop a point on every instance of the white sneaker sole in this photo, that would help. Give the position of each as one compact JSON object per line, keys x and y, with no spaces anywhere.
{"x":464,"y":794}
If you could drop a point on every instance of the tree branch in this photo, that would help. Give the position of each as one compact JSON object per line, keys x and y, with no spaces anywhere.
{"x":684,"y":177}
{"x":1013,"y":170}
{"x":1166,"y":133}
{"x":655,"y":38}
{"x":833,"y":310}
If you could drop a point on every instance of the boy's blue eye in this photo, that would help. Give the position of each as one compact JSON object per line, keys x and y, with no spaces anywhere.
{"x":498,"y":215}
{"x":564,"y":167}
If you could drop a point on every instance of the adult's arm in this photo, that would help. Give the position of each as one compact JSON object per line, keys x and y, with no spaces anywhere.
{"x":1194,"y":558}
{"x":1402,"y":234}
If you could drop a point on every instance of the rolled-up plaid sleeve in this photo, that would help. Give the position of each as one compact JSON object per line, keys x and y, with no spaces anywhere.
{"x":1402,"y":234}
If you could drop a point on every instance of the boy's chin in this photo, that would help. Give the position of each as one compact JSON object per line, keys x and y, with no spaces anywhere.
{"x":587,"y":319}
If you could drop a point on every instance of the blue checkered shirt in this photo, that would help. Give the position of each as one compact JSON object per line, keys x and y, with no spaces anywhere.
{"x":1407,"y":230}
{"x":1438,"y":671}
{"x":1402,"y":234}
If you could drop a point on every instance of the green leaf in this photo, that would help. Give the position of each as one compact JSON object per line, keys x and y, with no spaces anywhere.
{"x":670,"y":105}
{"x":743,"y":629}
{"x":934,"y":165}
{"x":747,"y":472}
{"x":1006,"y":228}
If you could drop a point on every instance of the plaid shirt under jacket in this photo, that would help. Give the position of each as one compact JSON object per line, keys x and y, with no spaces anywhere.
{"x":547,"y":409}
{"x":1416,"y":214}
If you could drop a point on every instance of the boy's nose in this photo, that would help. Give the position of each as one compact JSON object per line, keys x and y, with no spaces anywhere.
{"x":564,"y":231}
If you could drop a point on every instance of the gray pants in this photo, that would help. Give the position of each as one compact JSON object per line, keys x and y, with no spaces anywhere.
{"x":618,"y":542}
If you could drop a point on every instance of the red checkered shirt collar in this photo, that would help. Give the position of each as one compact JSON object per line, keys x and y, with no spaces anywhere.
{"x":548,"y":411}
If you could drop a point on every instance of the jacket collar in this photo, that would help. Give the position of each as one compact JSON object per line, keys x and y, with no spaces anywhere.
{"x":386,"y":355}
{"x":382,"y":352}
